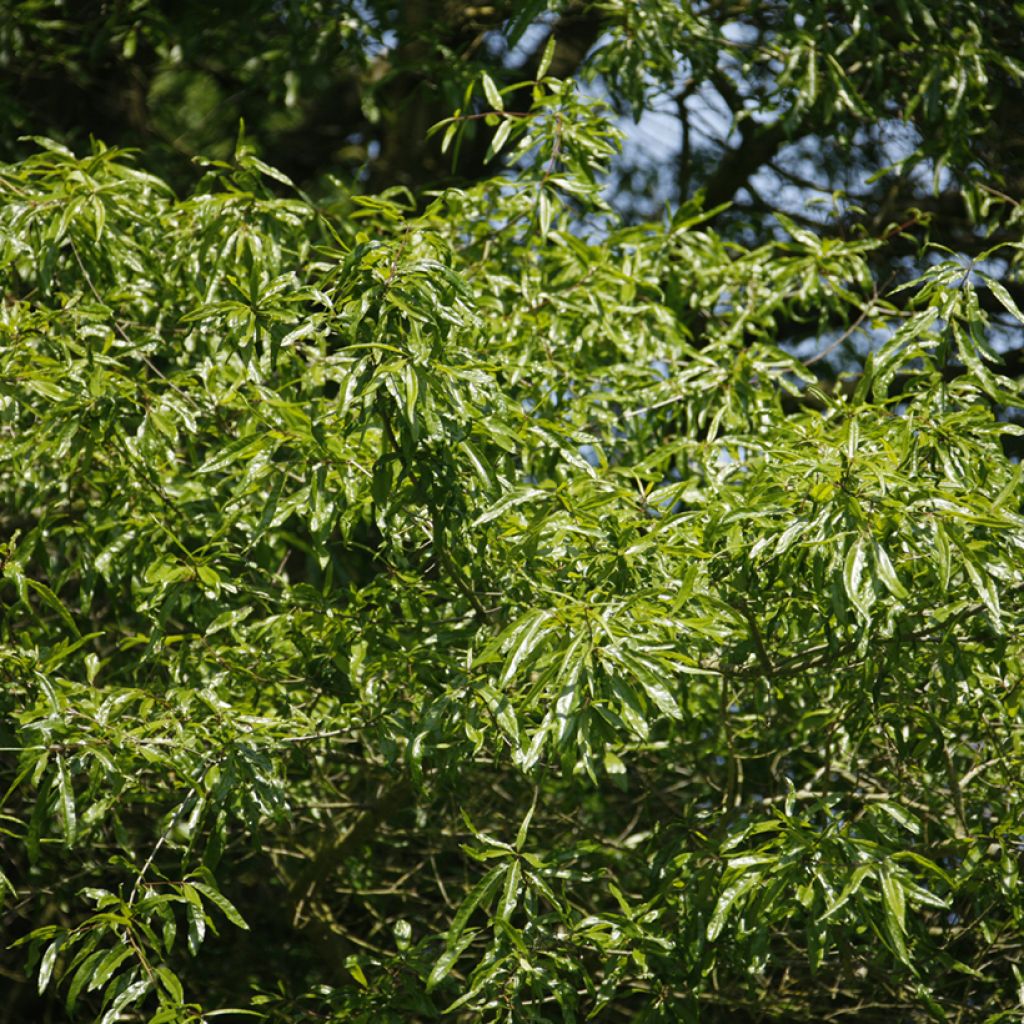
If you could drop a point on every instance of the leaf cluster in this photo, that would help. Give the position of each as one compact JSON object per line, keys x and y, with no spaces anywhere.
{"x":440,"y":611}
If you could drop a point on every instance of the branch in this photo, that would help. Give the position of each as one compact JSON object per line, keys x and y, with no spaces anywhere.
{"x":759,"y":144}
{"x":334,"y":850}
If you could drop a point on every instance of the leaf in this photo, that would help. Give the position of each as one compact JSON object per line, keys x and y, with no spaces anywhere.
{"x":196,"y":924}
{"x":902,"y":816}
{"x":480,"y":893}
{"x":240,"y":448}
{"x":887,"y":574}
{"x":491,"y":92}
{"x":528,"y":757}
{"x":507,"y":502}
{"x":501,"y":136}
{"x":446,"y":961}
{"x":524,"y":825}
{"x":853,"y":577}
{"x":928,"y":865}
{"x":510,"y":896}
{"x":504,"y":714}
{"x":110,"y":963}
{"x":942,"y":552}
{"x":648,"y":677}
{"x":271,"y":172}
{"x":412,"y":391}
{"x":6,"y":884}
{"x":50,"y":598}
{"x":47,"y":962}
{"x":355,"y":969}
{"x":661,"y":696}
{"x":171,"y":984}
{"x":852,"y":437}
{"x":983,"y":583}
{"x":895,"y":911}
{"x":546,"y":57}
{"x":481,"y":465}
{"x":1004,"y":298}
{"x":382,"y":485}
{"x":851,"y":887}
{"x":728,"y":897}
{"x":208,"y":575}
{"x":128,"y":995}
{"x":48,"y":144}
{"x":230,"y":617}
{"x":222,"y":903}
{"x":538,"y":624}
{"x":402,"y":931}
{"x":449,"y":135}
{"x":83,"y":974}
{"x":786,"y":539}
{"x":67,"y":801}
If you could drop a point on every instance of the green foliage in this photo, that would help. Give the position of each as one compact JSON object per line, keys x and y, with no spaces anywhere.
{"x":463,"y":607}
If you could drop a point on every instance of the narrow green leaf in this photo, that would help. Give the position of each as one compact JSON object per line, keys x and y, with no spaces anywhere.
{"x":546,"y":58}
{"x":481,"y":466}
{"x":196,"y":925}
{"x":895,"y":911}
{"x":544,"y":213}
{"x":1004,"y":298}
{"x":479,"y":894}
{"x":501,"y":136}
{"x":50,"y":598}
{"x":983,"y":583}
{"x":507,"y":502}
{"x":171,"y":984}
{"x":412,"y":391}
{"x":356,"y":970}
{"x":67,"y":801}
{"x":271,"y":172}
{"x":222,"y":903}
{"x":852,"y":437}
{"x":449,"y":134}
{"x":526,"y":643}
{"x":127,"y":996}
{"x":114,"y":958}
{"x":524,"y":825}
{"x":942,"y":552}
{"x":510,"y":896}
{"x":83,"y":974}
{"x":651,"y":677}
{"x":729,"y":895}
{"x":47,"y":962}
{"x":853,"y":577}
{"x":491,"y":92}
{"x":851,"y":887}
{"x":887,"y":574}
{"x":902,"y":816}
{"x":661,"y":696}
{"x":446,"y":961}
{"x":226,"y":619}
{"x":527,"y":758}
{"x":6,"y":884}
{"x":504,"y":714}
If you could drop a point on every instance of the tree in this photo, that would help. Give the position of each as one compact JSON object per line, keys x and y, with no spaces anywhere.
{"x":467,"y":600}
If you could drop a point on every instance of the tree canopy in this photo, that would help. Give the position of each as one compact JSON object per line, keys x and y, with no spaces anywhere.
{"x":454,"y":569}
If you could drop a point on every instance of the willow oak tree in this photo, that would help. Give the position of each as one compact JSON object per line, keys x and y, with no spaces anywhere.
{"x":851,"y":116}
{"x":465,"y":605}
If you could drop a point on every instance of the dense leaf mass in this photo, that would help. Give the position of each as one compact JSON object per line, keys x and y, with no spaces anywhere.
{"x":465,"y":605}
